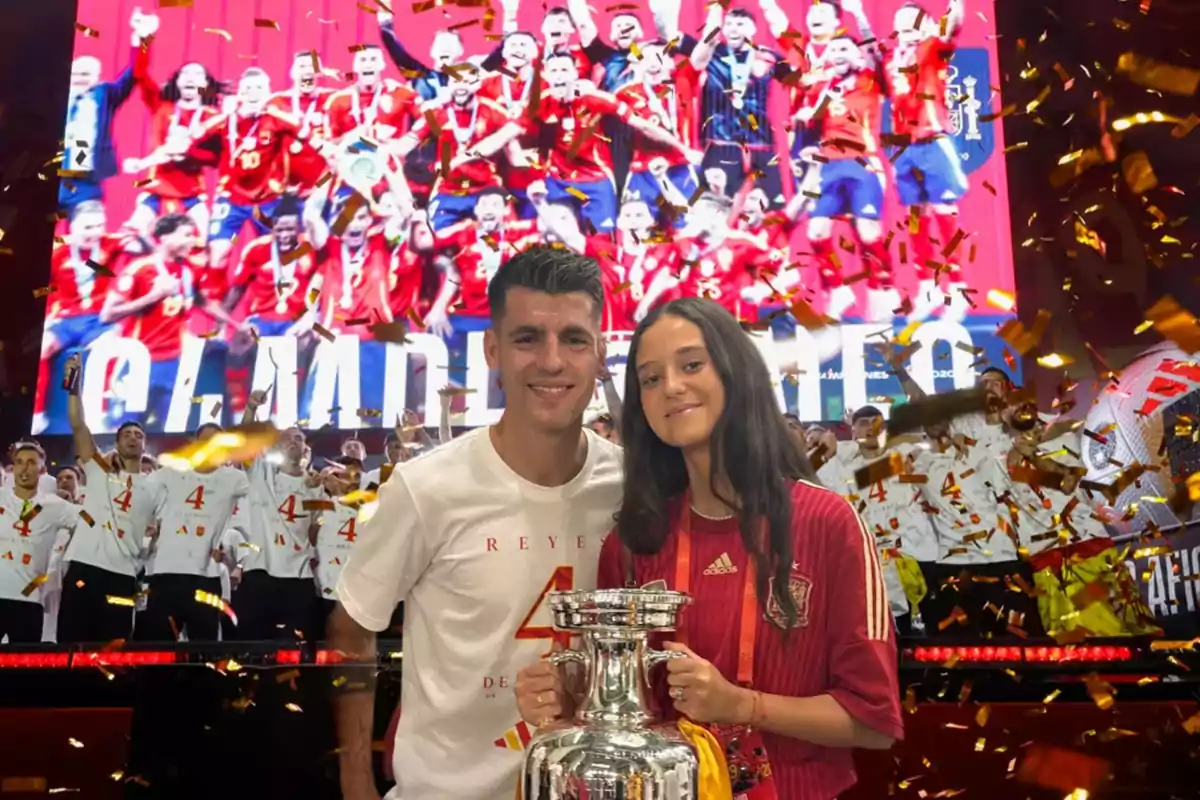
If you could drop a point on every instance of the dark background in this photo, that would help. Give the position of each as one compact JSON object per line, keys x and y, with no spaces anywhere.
{"x":1102,"y":307}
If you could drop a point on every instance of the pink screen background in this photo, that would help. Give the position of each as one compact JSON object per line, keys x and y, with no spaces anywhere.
{"x":332,"y":27}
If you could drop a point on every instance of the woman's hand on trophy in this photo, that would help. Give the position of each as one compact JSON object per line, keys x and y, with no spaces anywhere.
{"x":701,"y":693}
{"x":541,"y":693}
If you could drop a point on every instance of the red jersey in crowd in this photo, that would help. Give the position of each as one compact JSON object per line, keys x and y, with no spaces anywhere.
{"x":842,"y":644}
{"x":850,"y":121}
{"x":918,"y":90}
{"x":667,"y":106}
{"x":354,"y":287}
{"x":255,"y":154}
{"x":160,"y":326}
{"x":478,"y":255}
{"x":457,"y":129}
{"x":590,"y":158}
{"x":405,"y":268}
{"x":513,"y":95}
{"x":276,"y":283}
{"x":381,"y":114}
{"x":722,"y":270}
{"x":306,"y":166}
{"x":628,"y":273}
{"x":81,"y":278}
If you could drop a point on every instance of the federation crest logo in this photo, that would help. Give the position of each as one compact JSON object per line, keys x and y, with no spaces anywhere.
{"x":799,"y":587}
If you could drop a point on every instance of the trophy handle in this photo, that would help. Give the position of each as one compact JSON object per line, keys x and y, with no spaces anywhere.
{"x":560,"y":657}
{"x":652,"y":658}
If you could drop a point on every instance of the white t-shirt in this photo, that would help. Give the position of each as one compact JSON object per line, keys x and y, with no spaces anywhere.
{"x":472,"y":548}
{"x":963,"y":489}
{"x":283,"y":516}
{"x":193,"y":509}
{"x":119,"y":507}
{"x":27,"y":540}
{"x":231,"y":543}
{"x":340,"y":528}
{"x":1036,"y":512}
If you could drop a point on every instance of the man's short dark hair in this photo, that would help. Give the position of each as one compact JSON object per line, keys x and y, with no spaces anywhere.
{"x":130,"y":424}
{"x":550,"y":270}
{"x":866,"y":412}
{"x":71,"y":468}
{"x":171,"y":223}
{"x":997,"y":371}
{"x":30,"y":445}
{"x":206,"y":426}
{"x":741,"y":12}
{"x":289,"y":206}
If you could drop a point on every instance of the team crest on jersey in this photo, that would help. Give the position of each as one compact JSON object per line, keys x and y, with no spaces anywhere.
{"x":799,"y":587}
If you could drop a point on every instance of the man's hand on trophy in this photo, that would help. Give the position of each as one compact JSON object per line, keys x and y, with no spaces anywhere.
{"x":541,"y":694}
{"x":702,"y":694}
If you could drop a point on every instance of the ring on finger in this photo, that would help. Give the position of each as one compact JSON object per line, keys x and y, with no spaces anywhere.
{"x":539,"y":700}
{"x":677,"y":692}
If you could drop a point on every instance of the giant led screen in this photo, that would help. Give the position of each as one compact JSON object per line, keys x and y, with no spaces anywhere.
{"x":310,"y":196}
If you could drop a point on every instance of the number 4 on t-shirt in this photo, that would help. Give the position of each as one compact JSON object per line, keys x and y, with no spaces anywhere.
{"x":877,"y":493}
{"x":124,"y":500}
{"x":348,"y":529}
{"x":288,"y":509}
{"x":563,"y":580}
{"x":196,"y":498}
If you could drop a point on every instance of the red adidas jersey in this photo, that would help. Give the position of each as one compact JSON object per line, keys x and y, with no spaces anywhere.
{"x":589,"y":159}
{"x":78,"y":288}
{"x":628,"y":273}
{"x":305,"y":165}
{"x":276,"y":284}
{"x":255,"y":154}
{"x":406,"y":269}
{"x":583,"y":64}
{"x":478,"y":255}
{"x":721,"y":271}
{"x":918,"y":90}
{"x":161,"y":326}
{"x":456,"y":130}
{"x":178,"y":179}
{"x":774,"y":233}
{"x":843,"y":643}
{"x":382,"y":114}
{"x":850,"y":121}
{"x":354,"y":289}
{"x":666,"y":107}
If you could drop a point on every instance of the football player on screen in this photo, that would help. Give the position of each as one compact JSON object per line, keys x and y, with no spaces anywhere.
{"x":929,"y":173}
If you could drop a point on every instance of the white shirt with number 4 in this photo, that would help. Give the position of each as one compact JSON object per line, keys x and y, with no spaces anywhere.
{"x":27,"y":538}
{"x":340,"y":528}
{"x":193,"y":509}
{"x":472,"y":549}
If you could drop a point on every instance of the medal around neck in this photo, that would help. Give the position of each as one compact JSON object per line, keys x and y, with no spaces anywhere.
{"x":615,"y":746}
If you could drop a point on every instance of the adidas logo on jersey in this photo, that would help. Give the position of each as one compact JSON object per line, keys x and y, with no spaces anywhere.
{"x":722,"y":566}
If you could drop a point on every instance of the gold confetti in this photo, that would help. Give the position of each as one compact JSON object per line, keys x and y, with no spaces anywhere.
{"x":86,"y":31}
{"x":323,"y":332}
{"x":266,"y":23}
{"x":998,"y":298}
{"x":1174,"y":323}
{"x":226,"y":35}
{"x":1158,"y":75}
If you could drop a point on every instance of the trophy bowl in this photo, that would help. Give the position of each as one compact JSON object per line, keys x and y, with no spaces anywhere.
{"x":617,"y":609}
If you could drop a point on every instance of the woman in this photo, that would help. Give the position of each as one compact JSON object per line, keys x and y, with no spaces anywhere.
{"x":792,"y":658}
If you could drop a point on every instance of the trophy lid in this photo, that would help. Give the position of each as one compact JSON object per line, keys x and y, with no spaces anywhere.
{"x":617,"y":609}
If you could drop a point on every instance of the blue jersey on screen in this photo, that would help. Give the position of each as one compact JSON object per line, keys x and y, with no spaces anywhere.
{"x":733,"y":92}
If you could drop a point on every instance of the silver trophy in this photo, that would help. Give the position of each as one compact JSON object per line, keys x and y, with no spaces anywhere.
{"x":614,"y":749}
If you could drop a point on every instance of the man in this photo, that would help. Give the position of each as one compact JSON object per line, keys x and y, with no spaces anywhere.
{"x":103,"y":558}
{"x":453,"y":527}
{"x":152,"y":301}
{"x":929,"y":173}
{"x":736,"y":84}
{"x":32,"y":524}
{"x":275,"y":598}
{"x":890,"y":508}
{"x":305,"y":103}
{"x":339,"y":525}
{"x":851,"y":182}
{"x":511,"y":84}
{"x":68,"y":484}
{"x":665,"y":100}
{"x":82,"y":269}
{"x":89,"y":153}
{"x":458,"y":126}
{"x":193,"y":508}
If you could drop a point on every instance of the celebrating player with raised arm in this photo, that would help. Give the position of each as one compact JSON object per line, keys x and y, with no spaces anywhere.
{"x":276,"y":600}
{"x":193,"y":508}
{"x":103,"y":558}
{"x":454,"y":526}
{"x":305,"y":103}
{"x":929,"y":173}
{"x":32,"y":524}
{"x":852,"y":179}
{"x":82,"y":268}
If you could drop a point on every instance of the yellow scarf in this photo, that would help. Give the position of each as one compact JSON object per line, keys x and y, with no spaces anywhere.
{"x":714,"y":772}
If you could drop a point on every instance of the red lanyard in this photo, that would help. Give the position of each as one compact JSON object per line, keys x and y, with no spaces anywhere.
{"x":748,"y":625}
